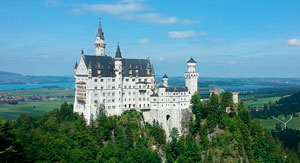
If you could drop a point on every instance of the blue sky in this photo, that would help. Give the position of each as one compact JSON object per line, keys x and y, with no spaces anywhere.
{"x":228,"y":38}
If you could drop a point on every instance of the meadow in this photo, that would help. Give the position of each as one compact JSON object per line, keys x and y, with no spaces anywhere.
{"x":35,"y":108}
{"x":12,"y":112}
{"x":260,"y":102}
{"x":270,"y":123}
{"x":41,"y":92}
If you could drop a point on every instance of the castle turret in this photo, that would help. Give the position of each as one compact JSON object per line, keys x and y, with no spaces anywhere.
{"x":119,"y":80}
{"x":235,"y":97}
{"x":100,"y":42}
{"x":165,"y":80}
{"x":191,"y":76}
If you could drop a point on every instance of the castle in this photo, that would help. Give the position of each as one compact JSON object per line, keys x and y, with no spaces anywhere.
{"x":121,"y":84}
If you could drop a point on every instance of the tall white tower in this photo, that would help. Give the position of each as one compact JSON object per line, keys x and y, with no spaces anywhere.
{"x":119,"y":81}
{"x":165,"y":80}
{"x":235,"y":97}
{"x":191,"y":76}
{"x":100,"y":42}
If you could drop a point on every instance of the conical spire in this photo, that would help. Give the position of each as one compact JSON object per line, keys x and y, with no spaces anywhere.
{"x":82,"y":52}
{"x":118,"y":52}
{"x":75,"y":65}
{"x":191,"y":60}
{"x":100,"y":31}
{"x":165,"y":76}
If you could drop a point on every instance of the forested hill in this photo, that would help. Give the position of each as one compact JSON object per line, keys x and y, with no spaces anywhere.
{"x":14,"y":78}
{"x":285,"y":106}
{"x":294,"y":99}
{"x":213,"y":136}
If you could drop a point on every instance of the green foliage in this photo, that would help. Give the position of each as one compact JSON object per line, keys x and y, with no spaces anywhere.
{"x":215,"y":137}
{"x":62,"y":136}
{"x":157,"y":132}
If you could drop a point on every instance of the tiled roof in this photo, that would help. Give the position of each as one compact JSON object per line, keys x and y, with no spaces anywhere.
{"x":176,"y":89}
{"x":106,"y":65}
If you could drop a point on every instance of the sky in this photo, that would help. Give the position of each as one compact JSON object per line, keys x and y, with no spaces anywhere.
{"x":227,"y":38}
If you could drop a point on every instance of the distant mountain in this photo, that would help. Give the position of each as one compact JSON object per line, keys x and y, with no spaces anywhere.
{"x":14,"y":78}
{"x":2,"y":73}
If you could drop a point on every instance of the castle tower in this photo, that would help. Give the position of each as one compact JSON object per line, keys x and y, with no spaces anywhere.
{"x":100,"y":42}
{"x":165,"y":80}
{"x":235,"y":97}
{"x":119,"y":81}
{"x":191,"y":76}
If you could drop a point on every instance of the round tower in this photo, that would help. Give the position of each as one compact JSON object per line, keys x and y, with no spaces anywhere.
{"x":119,"y":81}
{"x":100,"y":42}
{"x":235,"y":97}
{"x":165,"y":80}
{"x":191,"y":76}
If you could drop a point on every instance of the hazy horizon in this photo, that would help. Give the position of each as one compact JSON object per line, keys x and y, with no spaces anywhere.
{"x":228,"y":39}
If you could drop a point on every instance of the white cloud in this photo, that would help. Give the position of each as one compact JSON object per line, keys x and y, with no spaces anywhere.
{"x":293,"y":42}
{"x":188,"y":22}
{"x":217,"y":41}
{"x":232,"y":62}
{"x":132,"y":10}
{"x":77,"y":11}
{"x":181,"y":34}
{"x":132,"y":1}
{"x":113,"y":8}
{"x":144,"y":41}
{"x":151,"y":18}
{"x":161,"y":59}
{"x":52,"y":3}
{"x":203,"y":33}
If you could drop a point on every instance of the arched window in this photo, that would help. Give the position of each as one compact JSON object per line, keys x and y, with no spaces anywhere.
{"x":168,"y":117}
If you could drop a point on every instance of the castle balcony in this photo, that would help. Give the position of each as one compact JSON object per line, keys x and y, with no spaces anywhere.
{"x":81,"y":98}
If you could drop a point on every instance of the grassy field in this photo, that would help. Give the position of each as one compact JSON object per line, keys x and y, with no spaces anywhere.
{"x":270,"y":123}
{"x":41,"y":92}
{"x":294,"y":123}
{"x":11,"y":112}
{"x":34,"y":108}
{"x":259,"y":103}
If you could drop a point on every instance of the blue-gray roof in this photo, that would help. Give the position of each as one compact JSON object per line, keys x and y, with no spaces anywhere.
{"x":100,"y":32}
{"x":176,"y":89}
{"x":191,"y":60}
{"x":106,"y":65}
{"x":118,"y":52}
